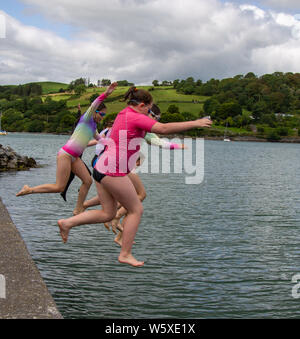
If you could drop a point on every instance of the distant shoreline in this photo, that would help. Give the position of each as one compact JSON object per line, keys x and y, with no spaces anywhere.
{"x":285,"y":140}
{"x":238,"y":138}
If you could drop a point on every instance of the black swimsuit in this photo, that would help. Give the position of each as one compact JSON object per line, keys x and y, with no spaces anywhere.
{"x":98,"y":176}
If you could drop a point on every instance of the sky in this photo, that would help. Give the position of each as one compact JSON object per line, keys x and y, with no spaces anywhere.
{"x":146,"y":40}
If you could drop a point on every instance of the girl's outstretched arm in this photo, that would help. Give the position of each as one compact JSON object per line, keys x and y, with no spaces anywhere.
{"x":175,"y":127}
{"x":154,"y":139}
{"x":95,"y":104}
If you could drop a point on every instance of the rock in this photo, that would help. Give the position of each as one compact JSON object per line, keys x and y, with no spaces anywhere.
{"x":11,"y":161}
{"x":12,"y":164}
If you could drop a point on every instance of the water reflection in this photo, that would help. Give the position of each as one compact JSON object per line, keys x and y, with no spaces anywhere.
{"x":225,"y":248}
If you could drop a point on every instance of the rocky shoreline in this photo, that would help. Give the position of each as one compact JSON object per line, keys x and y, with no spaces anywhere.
{"x":11,"y":161}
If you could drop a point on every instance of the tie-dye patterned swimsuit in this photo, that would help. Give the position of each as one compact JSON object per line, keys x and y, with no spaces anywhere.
{"x":85,"y":130}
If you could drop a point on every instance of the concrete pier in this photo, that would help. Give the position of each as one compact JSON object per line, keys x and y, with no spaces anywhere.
{"x":23,"y":292}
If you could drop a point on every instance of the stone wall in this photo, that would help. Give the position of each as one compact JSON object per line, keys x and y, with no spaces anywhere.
{"x":23,"y":292}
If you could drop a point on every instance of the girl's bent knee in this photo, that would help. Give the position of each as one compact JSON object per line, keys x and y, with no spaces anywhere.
{"x":109,"y":216}
{"x":88,"y":182}
{"x":59,"y":189}
{"x":142,"y":196}
{"x":139,"y":210}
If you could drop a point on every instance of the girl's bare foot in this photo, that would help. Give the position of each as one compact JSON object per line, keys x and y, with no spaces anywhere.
{"x":118,"y":240}
{"x":120,"y":227}
{"x":107,"y":225}
{"x":130,"y":260}
{"x":64,"y":230}
{"x":25,"y":190}
{"x":114,"y":225}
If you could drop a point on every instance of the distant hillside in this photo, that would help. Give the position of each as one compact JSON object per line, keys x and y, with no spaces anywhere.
{"x":266,"y":107}
{"x":51,"y":87}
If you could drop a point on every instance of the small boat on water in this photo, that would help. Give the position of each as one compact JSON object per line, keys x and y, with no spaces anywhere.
{"x":226,"y":138}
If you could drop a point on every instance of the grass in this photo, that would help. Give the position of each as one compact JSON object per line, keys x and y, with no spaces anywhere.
{"x":163,"y":96}
{"x":58,"y":97}
{"x":233,"y":130}
{"x":52,"y":87}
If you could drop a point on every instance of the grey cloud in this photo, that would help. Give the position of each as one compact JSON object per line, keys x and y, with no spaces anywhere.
{"x":286,"y":5}
{"x":145,"y":40}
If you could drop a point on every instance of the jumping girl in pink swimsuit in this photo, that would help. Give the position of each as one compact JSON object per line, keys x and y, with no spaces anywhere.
{"x":110,"y":172}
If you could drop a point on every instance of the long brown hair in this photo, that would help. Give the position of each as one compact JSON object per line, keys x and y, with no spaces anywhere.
{"x":136,"y":96}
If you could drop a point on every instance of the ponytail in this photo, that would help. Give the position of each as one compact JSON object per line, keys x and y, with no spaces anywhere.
{"x":136,"y":96}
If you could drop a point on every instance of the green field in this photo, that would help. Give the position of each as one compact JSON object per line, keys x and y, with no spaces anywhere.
{"x":163,"y":96}
{"x":52,"y":87}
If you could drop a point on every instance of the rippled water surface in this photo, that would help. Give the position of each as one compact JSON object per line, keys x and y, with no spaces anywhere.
{"x":226,"y":248}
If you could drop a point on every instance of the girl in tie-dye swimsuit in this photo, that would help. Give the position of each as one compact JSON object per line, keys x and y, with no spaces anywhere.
{"x":68,"y":157}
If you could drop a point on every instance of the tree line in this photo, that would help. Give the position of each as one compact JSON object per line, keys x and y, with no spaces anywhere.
{"x":271,"y":102}
{"x":34,"y":115}
{"x":33,"y":89}
{"x":269,"y":94}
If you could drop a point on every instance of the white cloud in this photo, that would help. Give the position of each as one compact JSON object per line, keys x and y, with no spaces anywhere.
{"x":143,"y":40}
{"x":32,"y":54}
{"x":257,"y":12}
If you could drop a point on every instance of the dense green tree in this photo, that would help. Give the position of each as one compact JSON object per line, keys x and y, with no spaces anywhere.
{"x":171,"y":117}
{"x":124,"y":83}
{"x":211,"y":105}
{"x":273,"y":135}
{"x":166,"y":83}
{"x":173,"y":109}
{"x":282,"y":131}
{"x":79,"y":90}
{"x":36,"y":126}
{"x":93,"y":97}
{"x":10,"y":116}
{"x":67,"y":121}
{"x":259,"y":109}
{"x":228,"y":109}
{"x":175,"y":83}
{"x":105,"y":82}
{"x":188,"y":116}
{"x":250,"y":75}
